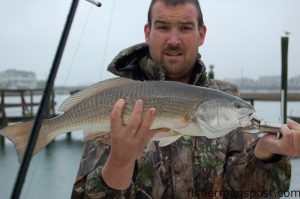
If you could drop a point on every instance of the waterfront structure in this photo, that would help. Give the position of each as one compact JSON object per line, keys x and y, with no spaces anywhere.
{"x":268,"y":82}
{"x":294,"y":82}
{"x":263,"y":83}
{"x":16,"y":79}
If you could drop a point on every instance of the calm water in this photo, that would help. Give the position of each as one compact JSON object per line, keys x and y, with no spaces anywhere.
{"x":53,"y":170}
{"x":51,"y":173}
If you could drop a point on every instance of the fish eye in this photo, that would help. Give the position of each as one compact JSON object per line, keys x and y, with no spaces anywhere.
{"x":237,"y":105}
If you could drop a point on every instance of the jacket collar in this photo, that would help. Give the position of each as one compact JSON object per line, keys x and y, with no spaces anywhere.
{"x":134,"y":62}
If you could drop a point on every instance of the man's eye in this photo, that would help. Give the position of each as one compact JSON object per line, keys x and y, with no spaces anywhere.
{"x":162,"y":28}
{"x":186,"y":28}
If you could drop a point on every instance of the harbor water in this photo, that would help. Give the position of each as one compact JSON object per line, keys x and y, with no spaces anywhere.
{"x":53,"y":170}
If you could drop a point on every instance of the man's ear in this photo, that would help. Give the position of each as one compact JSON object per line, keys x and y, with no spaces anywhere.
{"x":202,"y":34}
{"x":147,"y":33}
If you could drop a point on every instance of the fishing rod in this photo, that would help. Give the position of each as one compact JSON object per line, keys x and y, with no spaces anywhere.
{"x":44,"y":102}
{"x":96,"y":3}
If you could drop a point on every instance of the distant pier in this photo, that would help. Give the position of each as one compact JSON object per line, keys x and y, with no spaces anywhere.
{"x":26,"y":107}
{"x":269,"y":96}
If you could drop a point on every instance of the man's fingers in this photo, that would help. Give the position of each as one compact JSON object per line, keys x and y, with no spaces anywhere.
{"x":148,"y":120}
{"x":146,"y":124}
{"x":295,"y":131}
{"x":136,"y":116}
{"x":290,"y":141}
{"x":288,"y":145}
{"x":284,"y":129}
{"x":296,"y":143}
{"x":293,"y":125}
{"x":116,"y":115}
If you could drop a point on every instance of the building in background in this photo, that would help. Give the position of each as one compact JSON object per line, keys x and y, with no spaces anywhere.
{"x":266,"y":83}
{"x":16,"y":79}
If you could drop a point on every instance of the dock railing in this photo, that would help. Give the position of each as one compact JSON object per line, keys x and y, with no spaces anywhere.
{"x":27,"y":107}
{"x":269,"y":96}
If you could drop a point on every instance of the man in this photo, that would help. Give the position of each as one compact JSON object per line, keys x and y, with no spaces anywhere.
{"x":237,"y":165}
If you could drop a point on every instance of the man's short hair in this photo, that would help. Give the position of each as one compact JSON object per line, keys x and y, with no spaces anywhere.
{"x":175,"y":3}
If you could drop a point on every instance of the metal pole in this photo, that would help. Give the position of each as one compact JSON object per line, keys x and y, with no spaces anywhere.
{"x":284,"y":78}
{"x":44,"y":104}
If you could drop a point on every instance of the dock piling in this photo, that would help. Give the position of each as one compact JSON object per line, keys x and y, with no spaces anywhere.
{"x":284,"y":78}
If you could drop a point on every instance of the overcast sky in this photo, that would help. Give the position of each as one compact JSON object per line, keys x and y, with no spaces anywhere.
{"x":243,"y":36}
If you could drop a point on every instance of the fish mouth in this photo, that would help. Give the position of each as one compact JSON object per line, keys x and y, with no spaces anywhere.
{"x":246,"y":119}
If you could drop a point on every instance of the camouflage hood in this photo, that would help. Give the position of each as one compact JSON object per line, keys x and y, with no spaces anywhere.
{"x":135,"y":63}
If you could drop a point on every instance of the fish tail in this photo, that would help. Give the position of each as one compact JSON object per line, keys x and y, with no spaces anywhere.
{"x":18,"y":134}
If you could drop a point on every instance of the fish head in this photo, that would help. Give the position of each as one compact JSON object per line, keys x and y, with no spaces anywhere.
{"x":217,"y":117}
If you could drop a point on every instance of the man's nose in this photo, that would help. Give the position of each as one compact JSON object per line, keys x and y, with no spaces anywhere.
{"x":174,"y":38}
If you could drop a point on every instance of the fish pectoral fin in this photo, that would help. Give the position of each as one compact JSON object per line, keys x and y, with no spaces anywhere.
{"x":160,"y":130}
{"x":166,"y":141}
{"x":166,"y":138}
{"x":164,"y":134}
{"x":90,"y":135}
{"x":181,"y":122}
{"x":191,"y":130}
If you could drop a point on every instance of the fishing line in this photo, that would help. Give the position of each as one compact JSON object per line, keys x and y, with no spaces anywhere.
{"x":43,"y":105}
{"x":107,"y":38}
{"x":78,"y":45}
{"x":32,"y":177}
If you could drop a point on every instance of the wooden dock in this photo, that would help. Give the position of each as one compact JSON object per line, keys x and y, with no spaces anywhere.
{"x":272,"y":96}
{"x":27,"y":107}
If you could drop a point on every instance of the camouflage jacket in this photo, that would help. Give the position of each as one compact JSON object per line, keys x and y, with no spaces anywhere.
{"x":192,"y":167}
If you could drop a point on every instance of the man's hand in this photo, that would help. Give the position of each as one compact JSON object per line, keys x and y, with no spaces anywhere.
{"x":288,"y":144}
{"x":127,"y":143}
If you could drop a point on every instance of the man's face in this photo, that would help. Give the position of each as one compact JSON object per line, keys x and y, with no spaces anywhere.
{"x":174,"y":38}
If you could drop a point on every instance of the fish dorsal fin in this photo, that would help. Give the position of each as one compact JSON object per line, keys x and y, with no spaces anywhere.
{"x":94,"y":89}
